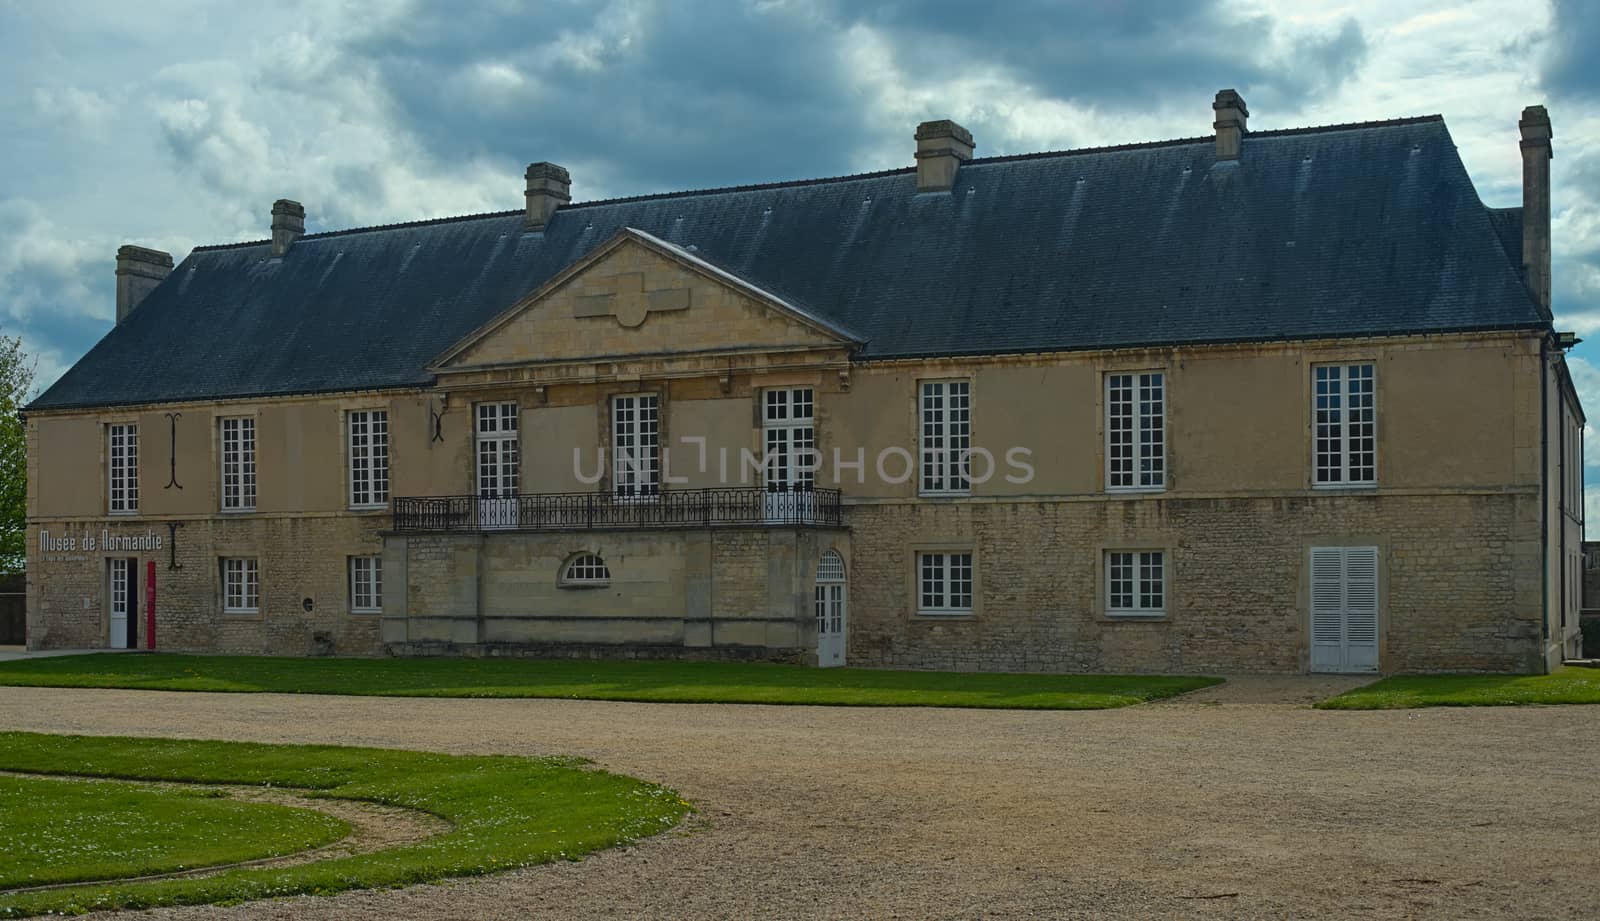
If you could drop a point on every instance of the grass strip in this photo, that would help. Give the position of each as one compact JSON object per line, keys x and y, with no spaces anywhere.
{"x":1401,"y":692}
{"x":656,"y":682}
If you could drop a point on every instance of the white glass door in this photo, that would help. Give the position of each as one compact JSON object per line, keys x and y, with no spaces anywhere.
{"x":121,"y":598}
{"x":830,"y":611}
{"x":789,"y":435}
{"x":498,"y":457}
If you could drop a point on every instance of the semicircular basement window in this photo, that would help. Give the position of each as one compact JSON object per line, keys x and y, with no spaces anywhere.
{"x":586,"y":570}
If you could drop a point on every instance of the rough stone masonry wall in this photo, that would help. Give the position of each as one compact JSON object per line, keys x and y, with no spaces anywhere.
{"x":1459,"y":582}
{"x":300,"y":558}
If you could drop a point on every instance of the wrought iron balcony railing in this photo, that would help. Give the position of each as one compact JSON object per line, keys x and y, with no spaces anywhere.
{"x":676,"y":508}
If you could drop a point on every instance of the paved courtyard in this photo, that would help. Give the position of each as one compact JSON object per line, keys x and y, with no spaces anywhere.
{"x":1234,"y":802}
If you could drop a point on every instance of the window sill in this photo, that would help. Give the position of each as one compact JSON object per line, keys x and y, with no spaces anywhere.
{"x":1135,"y":490}
{"x":1134,"y":615}
{"x":368,"y":509}
{"x":366,"y":612}
{"x":582,"y":586}
{"x":946,"y":615}
{"x":238,"y":511}
{"x":945,"y":495}
{"x":242,"y":614}
{"x":123,"y":513}
{"x":1346,"y":487}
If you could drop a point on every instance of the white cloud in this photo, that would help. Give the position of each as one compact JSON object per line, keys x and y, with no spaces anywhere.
{"x":43,"y":267}
{"x":86,"y":111}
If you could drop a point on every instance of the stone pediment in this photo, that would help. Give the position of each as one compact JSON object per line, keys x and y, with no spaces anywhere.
{"x":637,"y":296}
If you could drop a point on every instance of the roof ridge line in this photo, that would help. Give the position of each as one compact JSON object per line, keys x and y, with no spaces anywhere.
{"x":1347,"y":126}
{"x":848,"y":177}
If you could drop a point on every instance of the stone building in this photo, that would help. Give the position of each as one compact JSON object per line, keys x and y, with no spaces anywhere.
{"x":1266,"y":401}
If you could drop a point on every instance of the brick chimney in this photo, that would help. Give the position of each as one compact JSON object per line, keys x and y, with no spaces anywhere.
{"x":139,"y":270}
{"x":288,"y":224}
{"x":1536,"y":154}
{"x":942,"y":147}
{"x":549,"y":187}
{"x":1230,"y":123}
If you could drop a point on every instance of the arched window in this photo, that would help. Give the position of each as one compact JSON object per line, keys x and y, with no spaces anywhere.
{"x":831,"y":567}
{"x":585,"y":569}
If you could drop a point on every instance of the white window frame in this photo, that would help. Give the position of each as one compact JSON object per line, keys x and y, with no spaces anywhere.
{"x":1136,"y":583}
{"x":1335,"y":463}
{"x":238,"y":457}
{"x":944,"y":580}
{"x":367,"y":441}
{"x":122,"y":468}
{"x":497,"y":432}
{"x":789,"y":436}
{"x":585,"y":570}
{"x":636,"y":446}
{"x":1136,"y":431}
{"x":366,"y":585}
{"x":944,"y":437}
{"x":241,"y":585}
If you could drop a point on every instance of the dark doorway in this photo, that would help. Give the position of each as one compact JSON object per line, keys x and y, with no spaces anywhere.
{"x":13,"y":610}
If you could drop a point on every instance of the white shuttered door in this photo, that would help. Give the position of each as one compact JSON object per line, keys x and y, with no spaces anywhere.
{"x":1344,"y":609}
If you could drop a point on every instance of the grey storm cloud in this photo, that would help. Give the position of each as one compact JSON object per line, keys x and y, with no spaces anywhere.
{"x":1573,"y":66}
{"x":691,"y":95}
{"x":694,"y":98}
{"x":1122,"y":52}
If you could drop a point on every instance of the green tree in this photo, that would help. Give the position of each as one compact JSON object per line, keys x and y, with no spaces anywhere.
{"x":16,"y":384}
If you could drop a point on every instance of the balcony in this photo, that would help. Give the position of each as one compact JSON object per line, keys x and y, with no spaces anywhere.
{"x":583,"y":511}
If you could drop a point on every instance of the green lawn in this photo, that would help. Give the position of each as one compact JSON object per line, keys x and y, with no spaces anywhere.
{"x":504,"y":812}
{"x":665,"y":682}
{"x":1567,"y":686}
{"x":63,"y":831}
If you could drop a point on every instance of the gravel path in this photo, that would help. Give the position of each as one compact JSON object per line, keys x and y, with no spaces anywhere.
{"x":1228,"y":804}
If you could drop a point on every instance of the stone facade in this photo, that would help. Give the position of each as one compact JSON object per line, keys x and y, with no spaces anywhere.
{"x":697,"y":592}
{"x":1451,"y":595}
{"x":305,"y":599}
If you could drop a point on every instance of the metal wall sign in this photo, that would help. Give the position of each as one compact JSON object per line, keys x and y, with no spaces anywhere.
{"x":87,"y":541}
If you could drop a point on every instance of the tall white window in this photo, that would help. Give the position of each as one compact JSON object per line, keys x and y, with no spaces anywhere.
{"x":1136,"y":583}
{"x":1136,"y":447}
{"x":498,"y":455}
{"x":1344,"y":425}
{"x":789,"y":432}
{"x":123,"y":454}
{"x":945,"y":580}
{"x":239,"y":463}
{"x":366,"y":584}
{"x":946,"y":436}
{"x":369,"y":458}
{"x":241,"y":586}
{"x":636,"y":445}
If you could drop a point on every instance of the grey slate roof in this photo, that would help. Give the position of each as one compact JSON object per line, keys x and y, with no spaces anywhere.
{"x":1354,"y":230}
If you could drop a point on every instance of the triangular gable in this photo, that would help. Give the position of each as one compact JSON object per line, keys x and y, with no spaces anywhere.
{"x":637,"y":294}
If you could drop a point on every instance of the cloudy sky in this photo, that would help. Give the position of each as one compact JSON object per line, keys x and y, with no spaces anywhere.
{"x":171,"y":124}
